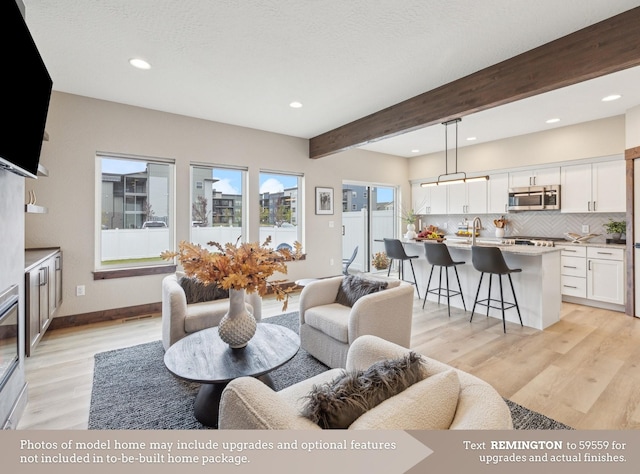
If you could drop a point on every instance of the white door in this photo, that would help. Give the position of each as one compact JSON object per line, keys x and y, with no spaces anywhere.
{"x":575,"y":188}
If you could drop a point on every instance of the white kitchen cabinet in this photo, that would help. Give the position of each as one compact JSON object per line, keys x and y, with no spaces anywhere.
{"x":420,"y":199}
{"x":593,"y":187}
{"x":605,"y":275}
{"x":593,"y":274}
{"x":573,"y":268}
{"x":467,"y":198}
{"x":498,"y":193}
{"x":429,"y":200}
{"x":535,"y":177}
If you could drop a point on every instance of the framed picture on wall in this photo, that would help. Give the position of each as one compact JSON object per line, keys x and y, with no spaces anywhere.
{"x":324,"y":200}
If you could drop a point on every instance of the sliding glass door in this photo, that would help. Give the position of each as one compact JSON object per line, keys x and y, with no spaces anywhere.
{"x":368,"y":216}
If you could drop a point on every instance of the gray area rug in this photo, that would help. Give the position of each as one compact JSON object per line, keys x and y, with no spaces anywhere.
{"x":133,"y":390}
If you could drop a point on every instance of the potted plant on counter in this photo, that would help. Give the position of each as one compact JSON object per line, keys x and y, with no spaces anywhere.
{"x":616,"y":229}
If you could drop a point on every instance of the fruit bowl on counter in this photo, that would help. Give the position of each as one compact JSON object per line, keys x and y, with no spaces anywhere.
{"x":430,"y":233}
{"x":579,"y":238}
{"x":466,"y":233}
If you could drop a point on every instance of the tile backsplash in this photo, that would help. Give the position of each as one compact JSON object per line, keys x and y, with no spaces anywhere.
{"x":530,"y":223}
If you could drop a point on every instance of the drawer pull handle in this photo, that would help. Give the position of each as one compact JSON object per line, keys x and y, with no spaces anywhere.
{"x":567,"y":266}
{"x":568,"y":286}
{"x":604,"y":253}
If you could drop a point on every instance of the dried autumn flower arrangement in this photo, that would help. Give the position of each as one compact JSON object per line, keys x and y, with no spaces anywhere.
{"x":244,"y":266}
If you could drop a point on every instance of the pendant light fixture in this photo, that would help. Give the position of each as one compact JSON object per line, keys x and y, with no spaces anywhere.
{"x":455,"y":177}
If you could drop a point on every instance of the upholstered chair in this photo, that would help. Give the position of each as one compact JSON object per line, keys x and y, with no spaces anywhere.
{"x":180,"y":318}
{"x":329,"y":327}
{"x":445,"y":398}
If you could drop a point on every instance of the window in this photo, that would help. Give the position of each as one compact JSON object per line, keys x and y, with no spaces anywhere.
{"x":135,"y":214}
{"x":281,"y":208}
{"x":217,"y":204}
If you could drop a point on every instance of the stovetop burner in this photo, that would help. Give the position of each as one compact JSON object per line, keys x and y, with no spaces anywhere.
{"x":536,"y":241}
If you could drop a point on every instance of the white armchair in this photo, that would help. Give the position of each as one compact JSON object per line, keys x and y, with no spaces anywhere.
{"x":447,"y":398}
{"x":327,"y":328}
{"x":180,"y":318}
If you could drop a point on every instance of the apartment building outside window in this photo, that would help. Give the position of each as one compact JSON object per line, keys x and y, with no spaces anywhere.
{"x":281,"y":208}
{"x":135,"y":217}
{"x":218,"y":203}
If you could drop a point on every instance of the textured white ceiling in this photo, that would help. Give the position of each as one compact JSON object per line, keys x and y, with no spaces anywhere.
{"x":243,"y":61}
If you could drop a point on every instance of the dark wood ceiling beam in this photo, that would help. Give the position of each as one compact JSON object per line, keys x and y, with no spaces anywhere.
{"x":603,"y":48}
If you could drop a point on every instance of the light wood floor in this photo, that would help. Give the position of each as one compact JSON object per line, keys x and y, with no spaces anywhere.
{"x":583,"y":371}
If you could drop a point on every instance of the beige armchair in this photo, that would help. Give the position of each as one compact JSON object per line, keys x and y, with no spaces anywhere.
{"x":447,"y":398}
{"x":180,"y":318}
{"x":327,"y":328}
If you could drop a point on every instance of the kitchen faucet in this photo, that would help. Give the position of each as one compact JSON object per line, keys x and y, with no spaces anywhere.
{"x":477,"y":224}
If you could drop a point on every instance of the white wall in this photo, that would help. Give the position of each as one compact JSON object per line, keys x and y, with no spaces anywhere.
{"x":597,"y":138}
{"x":79,"y":127}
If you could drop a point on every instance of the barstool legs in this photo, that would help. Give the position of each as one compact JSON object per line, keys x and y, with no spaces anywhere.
{"x":502,"y":306}
{"x":439,"y":289}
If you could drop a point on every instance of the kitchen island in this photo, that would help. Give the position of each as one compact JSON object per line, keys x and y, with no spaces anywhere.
{"x":537,"y":287}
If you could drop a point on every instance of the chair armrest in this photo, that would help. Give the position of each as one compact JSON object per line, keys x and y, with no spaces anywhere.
{"x":248,"y":404}
{"x":367,"y":350}
{"x":318,"y":293}
{"x":174,"y":311}
{"x":387,"y":314}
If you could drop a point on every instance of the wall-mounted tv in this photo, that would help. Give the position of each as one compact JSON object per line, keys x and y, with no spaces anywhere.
{"x":25,"y":89}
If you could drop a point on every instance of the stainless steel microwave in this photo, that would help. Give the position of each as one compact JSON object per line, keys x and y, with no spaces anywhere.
{"x":534,"y":198}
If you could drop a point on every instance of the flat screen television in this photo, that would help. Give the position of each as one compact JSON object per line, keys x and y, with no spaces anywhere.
{"x":26,"y":89}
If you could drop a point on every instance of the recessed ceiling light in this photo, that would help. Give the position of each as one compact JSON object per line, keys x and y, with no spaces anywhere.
{"x":470,"y":139}
{"x":139,"y":63}
{"x":415,"y":150}
{"x":553,"y":120}
{"x":295,"y":105}
{"x":611,"y":97}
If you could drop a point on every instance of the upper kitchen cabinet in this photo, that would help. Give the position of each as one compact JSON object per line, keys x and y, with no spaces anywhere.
{"x":498,"y":193}
{"x":429,"y":200}
{"x":535,"y":177}
{"x":467,"y":198}
{"x":594,"y":187}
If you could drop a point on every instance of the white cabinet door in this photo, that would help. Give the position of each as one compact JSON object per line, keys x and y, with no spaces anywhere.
{"x":477,"y":197}
{"x":457,"y":200}
{"x":575,"y":188}
{"x":438,"y":203}
{"x":498,"y":193}
{"x":536,"y":177}
{"x":605,"y":280}
{"x":519,"y":179}
{"x":547,"y":176}
{"x":597,"y":187}
{"x":419,"y":199}
{"x":609,"y":187}
{"x":467,"y":198}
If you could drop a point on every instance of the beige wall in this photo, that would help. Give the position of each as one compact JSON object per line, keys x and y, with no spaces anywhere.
{"x":80,"y":126}
{"x":633,"y":128}
{"x":586,"y":140}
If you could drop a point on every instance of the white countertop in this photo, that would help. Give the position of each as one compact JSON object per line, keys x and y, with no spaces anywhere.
{"x":506,"y":248}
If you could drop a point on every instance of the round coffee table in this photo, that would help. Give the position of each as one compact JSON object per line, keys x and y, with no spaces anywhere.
{"x":204,"y":358}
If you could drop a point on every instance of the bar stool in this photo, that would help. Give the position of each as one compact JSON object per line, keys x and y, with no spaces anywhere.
{"x":490,"y":260}
{"x":438,"y":255}
{"x":395,"y":251}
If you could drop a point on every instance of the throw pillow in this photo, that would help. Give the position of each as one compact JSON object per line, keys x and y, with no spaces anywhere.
{"x":430,"y":404}
{"x":353,"y":288}
{"x":337,"y":404}
{"x":198,"y":292}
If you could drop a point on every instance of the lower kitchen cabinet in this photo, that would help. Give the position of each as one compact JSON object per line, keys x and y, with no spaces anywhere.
{"x":605,"y":275}
{"x":43,"y":292}
{"x":592,"y":275}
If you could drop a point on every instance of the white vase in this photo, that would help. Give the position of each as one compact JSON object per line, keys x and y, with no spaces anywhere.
{"x":238,"y":326}
{"x":411,"y":231}
{"x":499,"y":232}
